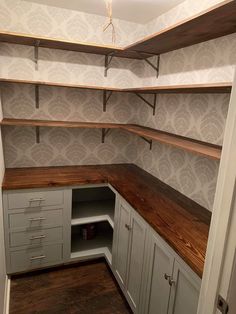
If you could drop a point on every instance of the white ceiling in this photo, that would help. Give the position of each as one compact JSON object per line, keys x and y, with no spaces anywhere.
{"x":139,"y":11}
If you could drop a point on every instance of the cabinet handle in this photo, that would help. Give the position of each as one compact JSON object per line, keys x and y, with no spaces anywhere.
{"x":38,"y":237}
{"x":167,"y":277}
{"x":39,"y":199}
{"x":34,"y":258}
{"x":127,"y":227}
{"x":171,"y":282}
{"x":36,"y":219}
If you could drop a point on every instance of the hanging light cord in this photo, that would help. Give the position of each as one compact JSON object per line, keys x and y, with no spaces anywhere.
{"x":110,"y":23}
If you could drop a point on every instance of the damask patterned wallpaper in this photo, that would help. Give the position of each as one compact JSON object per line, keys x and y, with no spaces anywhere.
{"x":197,"y":116}
{"x":32,"y":18}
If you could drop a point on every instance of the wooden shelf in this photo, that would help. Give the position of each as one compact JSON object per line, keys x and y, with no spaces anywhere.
{"x":194,"y":146}
{"x":60,"y":124}
{"x":93,"y":211}
{"x":219,"y":20}
{"x":214,"y":88}
{"x":100,"y":245}
{"x":211,"y":88}
{"x":67,"y":85}
{"x":53,"y":43}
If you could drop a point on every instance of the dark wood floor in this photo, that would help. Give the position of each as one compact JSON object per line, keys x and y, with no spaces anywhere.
{"x":81,"y":289}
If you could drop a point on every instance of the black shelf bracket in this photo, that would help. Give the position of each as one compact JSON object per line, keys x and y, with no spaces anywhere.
{"x":36,"y":54}
{"x":37,"y":134}
{"x":104,"y":134}
{"x":108,"y":59}
{"x":148,"y":141}
{"x":36,"y":96}
{"x":152,"y":105}
{"x":154,"y":66}
{"x":106,"y":97}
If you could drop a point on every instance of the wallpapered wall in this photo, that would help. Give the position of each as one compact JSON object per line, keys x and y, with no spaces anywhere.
{"x":197,"y":116}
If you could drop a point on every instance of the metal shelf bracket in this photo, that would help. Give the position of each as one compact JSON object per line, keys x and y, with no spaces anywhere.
{"x":152,"y":105}
{"x":37,"y":133}
{"x":36,"y":54}
{"x":148,"y":141}
{"x":36,"y":96}
{"x":108,"y":59}
{"x":106,"y":97}
{"x":154,"y":66}
{"x":104,"y":134}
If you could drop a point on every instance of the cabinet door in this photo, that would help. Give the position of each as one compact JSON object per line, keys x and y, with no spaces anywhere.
{"x":137,"y":230}
{"x":159,"y":271}
{"x":121,"y":242}
{"x":184,"y":291}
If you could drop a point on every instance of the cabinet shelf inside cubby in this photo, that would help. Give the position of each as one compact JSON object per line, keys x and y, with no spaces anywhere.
{"x":93,"y":211}
{"x":100,"y":245}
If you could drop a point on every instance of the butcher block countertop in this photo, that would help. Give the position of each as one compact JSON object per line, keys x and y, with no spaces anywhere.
{"x":181,"y":222}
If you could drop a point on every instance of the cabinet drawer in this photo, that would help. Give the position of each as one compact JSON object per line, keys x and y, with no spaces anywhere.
{"x":36,"y":257}
{"x":23,"y":199}
{"x":35,"y":220}
{"x":37,"y":237}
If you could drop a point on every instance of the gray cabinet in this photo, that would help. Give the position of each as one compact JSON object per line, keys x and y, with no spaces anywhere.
{"x":36,"y":228}
{"x":129,"y":247}
{"x":171,"y":286}
{"x":184,"y":290}
{"x":159,"y":272}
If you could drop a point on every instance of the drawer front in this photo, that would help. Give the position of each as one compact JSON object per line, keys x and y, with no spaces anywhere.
{"x":37,"y":237}
{"x":35,"y":220}
{"x":36,"y":257}
{"x":23,"y":199}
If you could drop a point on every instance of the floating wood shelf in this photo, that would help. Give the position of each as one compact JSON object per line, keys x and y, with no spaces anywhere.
{"x":219,"y":20}
{"x":67,"y":85}
{"x":60,"y":124}
{"x":194,"y":146}
{"x":213,"y":88}
{"x":224,"y":87}
{"x":53,"y":43}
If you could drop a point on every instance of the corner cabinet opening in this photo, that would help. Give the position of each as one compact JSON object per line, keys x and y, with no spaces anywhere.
{"x":92,"y":222}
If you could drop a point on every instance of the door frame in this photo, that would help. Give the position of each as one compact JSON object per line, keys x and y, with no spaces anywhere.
{"x":222,"y":210}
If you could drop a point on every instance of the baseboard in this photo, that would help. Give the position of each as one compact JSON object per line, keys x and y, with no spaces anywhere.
{"x":7,"y":295}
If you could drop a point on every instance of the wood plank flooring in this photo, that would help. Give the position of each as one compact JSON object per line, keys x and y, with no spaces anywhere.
{"x":86,"y":288}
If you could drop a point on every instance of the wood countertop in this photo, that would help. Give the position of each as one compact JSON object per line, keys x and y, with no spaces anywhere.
{"x":181,"y":222}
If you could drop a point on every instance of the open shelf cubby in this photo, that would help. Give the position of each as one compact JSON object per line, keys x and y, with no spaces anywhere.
{"x":91,"y":205}
{"x":99,"y":245}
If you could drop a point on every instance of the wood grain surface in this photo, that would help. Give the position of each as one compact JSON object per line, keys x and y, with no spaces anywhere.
{"x":180,"y":221}
{"x":86,"y":288}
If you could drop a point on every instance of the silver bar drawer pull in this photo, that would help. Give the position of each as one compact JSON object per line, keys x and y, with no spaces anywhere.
{"x":37,"y":219}
{"x":34,"y":258}
{"x":39,"y":199}
{"x":38,"y":237}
